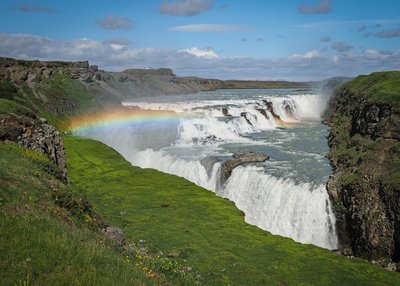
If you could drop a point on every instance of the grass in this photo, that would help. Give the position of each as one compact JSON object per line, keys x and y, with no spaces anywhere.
{"x":8,"y":106}
{"x":62,"y":87}
{"x":60,"y":95}
{"x":173,"y":215}
{"x":49,"y":234}
{"x":7,"y":89}
{"x":378,"y":87}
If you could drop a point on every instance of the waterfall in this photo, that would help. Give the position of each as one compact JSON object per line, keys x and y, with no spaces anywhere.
{"x":195,"y":146}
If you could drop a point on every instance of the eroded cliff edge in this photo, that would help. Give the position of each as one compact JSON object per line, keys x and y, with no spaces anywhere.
{"x":365,"y":155}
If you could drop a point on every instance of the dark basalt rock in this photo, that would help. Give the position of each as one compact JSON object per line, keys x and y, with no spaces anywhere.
{"x":270,"y":108}
{"x":245,"y":115}
{"x":364,"y":140}
{"x":240,"y":158}
{"x":263,"y":112}
{"x":225,"y":111}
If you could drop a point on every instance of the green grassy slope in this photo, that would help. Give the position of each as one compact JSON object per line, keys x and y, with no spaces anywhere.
{"x":44,"y":243}
{"x":55,"y":98}
{"x":174,"y":215}
{"x":378,"y":87}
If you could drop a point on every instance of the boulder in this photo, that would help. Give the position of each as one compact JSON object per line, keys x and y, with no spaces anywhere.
{"x":225,"y":111}
{"x":240,"y":158}
{"x":115,"y":234}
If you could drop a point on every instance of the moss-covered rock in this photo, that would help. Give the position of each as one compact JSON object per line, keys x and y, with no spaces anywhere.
{"x":365,"y":187}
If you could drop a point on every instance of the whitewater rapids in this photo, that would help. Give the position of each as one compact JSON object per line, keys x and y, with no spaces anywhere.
{"x":285,"y":195}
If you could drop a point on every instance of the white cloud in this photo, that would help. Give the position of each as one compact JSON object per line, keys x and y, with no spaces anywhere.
{"x":117,"y":55}
{"x":307,"y":55}
{"x":185,"y":7}
{"x":210,"y":28}
{"x":207,"y":53}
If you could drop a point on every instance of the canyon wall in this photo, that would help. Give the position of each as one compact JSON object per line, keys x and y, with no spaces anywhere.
{"x":365,"y":155}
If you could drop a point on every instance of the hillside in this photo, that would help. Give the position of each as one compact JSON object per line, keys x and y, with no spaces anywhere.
{"x":205,"y":232}
{"x":365,"y":152}
{"x":259,"y":84}
{"x":73,"y":211}
{"x":114,"y":87}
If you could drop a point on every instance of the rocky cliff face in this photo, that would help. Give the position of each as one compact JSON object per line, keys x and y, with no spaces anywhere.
{"x":365,"y":155}
{"x":31,"y":72}
{"x":107,"y":87}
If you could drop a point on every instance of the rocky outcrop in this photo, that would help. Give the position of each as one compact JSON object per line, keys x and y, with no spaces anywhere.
{"x":37,"y":135}
{"x":149,"y":72}
{"x":115,"y":234}
{"x":240,"y":158}
{"x":44,"y":138}
{"x":270,"y":107}
{"x":263,"y":112}
{"x":246,"y":117}
{"x":31,"y":72}
{"x":365,"y":152}
{"x":329,"y":88}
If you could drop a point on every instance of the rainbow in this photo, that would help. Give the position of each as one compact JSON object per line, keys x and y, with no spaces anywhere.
{"x":119,"y":117}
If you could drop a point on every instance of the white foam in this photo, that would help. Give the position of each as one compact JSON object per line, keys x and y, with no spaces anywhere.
{"x":300,"y":211}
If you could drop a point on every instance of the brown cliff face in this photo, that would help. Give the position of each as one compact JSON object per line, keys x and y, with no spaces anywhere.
{"x":365,"y":155}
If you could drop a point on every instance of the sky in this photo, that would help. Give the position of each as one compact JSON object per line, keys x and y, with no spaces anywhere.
{"x":301,"y":40}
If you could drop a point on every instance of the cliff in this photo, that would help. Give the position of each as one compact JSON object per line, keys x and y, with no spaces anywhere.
{"x":365,"y":155}
{"x":174,"y":232}
{"x":106,"y":87}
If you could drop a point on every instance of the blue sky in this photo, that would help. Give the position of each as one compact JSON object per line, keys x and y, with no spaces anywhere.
{"x":253,"y":39}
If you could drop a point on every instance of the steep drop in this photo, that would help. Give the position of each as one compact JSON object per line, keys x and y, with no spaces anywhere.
{"x":285,"y":195}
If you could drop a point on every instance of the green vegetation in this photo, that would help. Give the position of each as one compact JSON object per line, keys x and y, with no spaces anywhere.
{"x":177,"y":233}
{"x":42,"y":243}
{"x":60,"y":98}
{"x":60,"y":87}
{"x":173,"y":215}
{"x":378,"y":87}
{"x":7,"y":89}
{"x":50,"y":234}
{"x":362,"y":153}
{"x":12,"y":107}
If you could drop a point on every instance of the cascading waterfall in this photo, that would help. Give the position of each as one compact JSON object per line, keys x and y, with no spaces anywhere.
{"x":300,"y":211}
{"x":285,"y":195}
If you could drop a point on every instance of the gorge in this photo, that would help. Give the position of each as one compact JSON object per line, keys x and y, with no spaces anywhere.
{"x":193,"y":135}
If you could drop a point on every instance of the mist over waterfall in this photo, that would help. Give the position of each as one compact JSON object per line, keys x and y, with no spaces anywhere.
{"x":285,"y":195}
